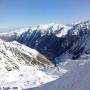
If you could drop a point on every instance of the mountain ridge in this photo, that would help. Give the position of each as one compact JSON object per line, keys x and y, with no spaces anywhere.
{"x":52,"y":41}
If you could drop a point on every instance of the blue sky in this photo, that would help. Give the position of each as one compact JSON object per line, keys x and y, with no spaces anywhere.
{"x":24,"y":13}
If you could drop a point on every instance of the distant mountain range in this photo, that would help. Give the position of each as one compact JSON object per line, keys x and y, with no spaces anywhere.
{"x":54,"y":40}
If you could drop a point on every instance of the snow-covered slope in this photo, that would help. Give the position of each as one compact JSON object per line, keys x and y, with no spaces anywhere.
{"x":12,"y":54}
{"x":17,"y":62}
{"x":76,"y":78}
{"x":24,"y":77}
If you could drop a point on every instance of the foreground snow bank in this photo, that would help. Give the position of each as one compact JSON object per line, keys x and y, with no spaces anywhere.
{"x":77,"y":77}
{"x":25,"y":77}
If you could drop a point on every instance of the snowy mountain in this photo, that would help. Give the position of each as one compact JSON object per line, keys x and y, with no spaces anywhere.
{"x":55,"y":40}
{"x":45,"y":39}
{"x":67,"y":46}
{"x":17,"y":62}
{"x":13,"y":54}
{"x":79,"y":37}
